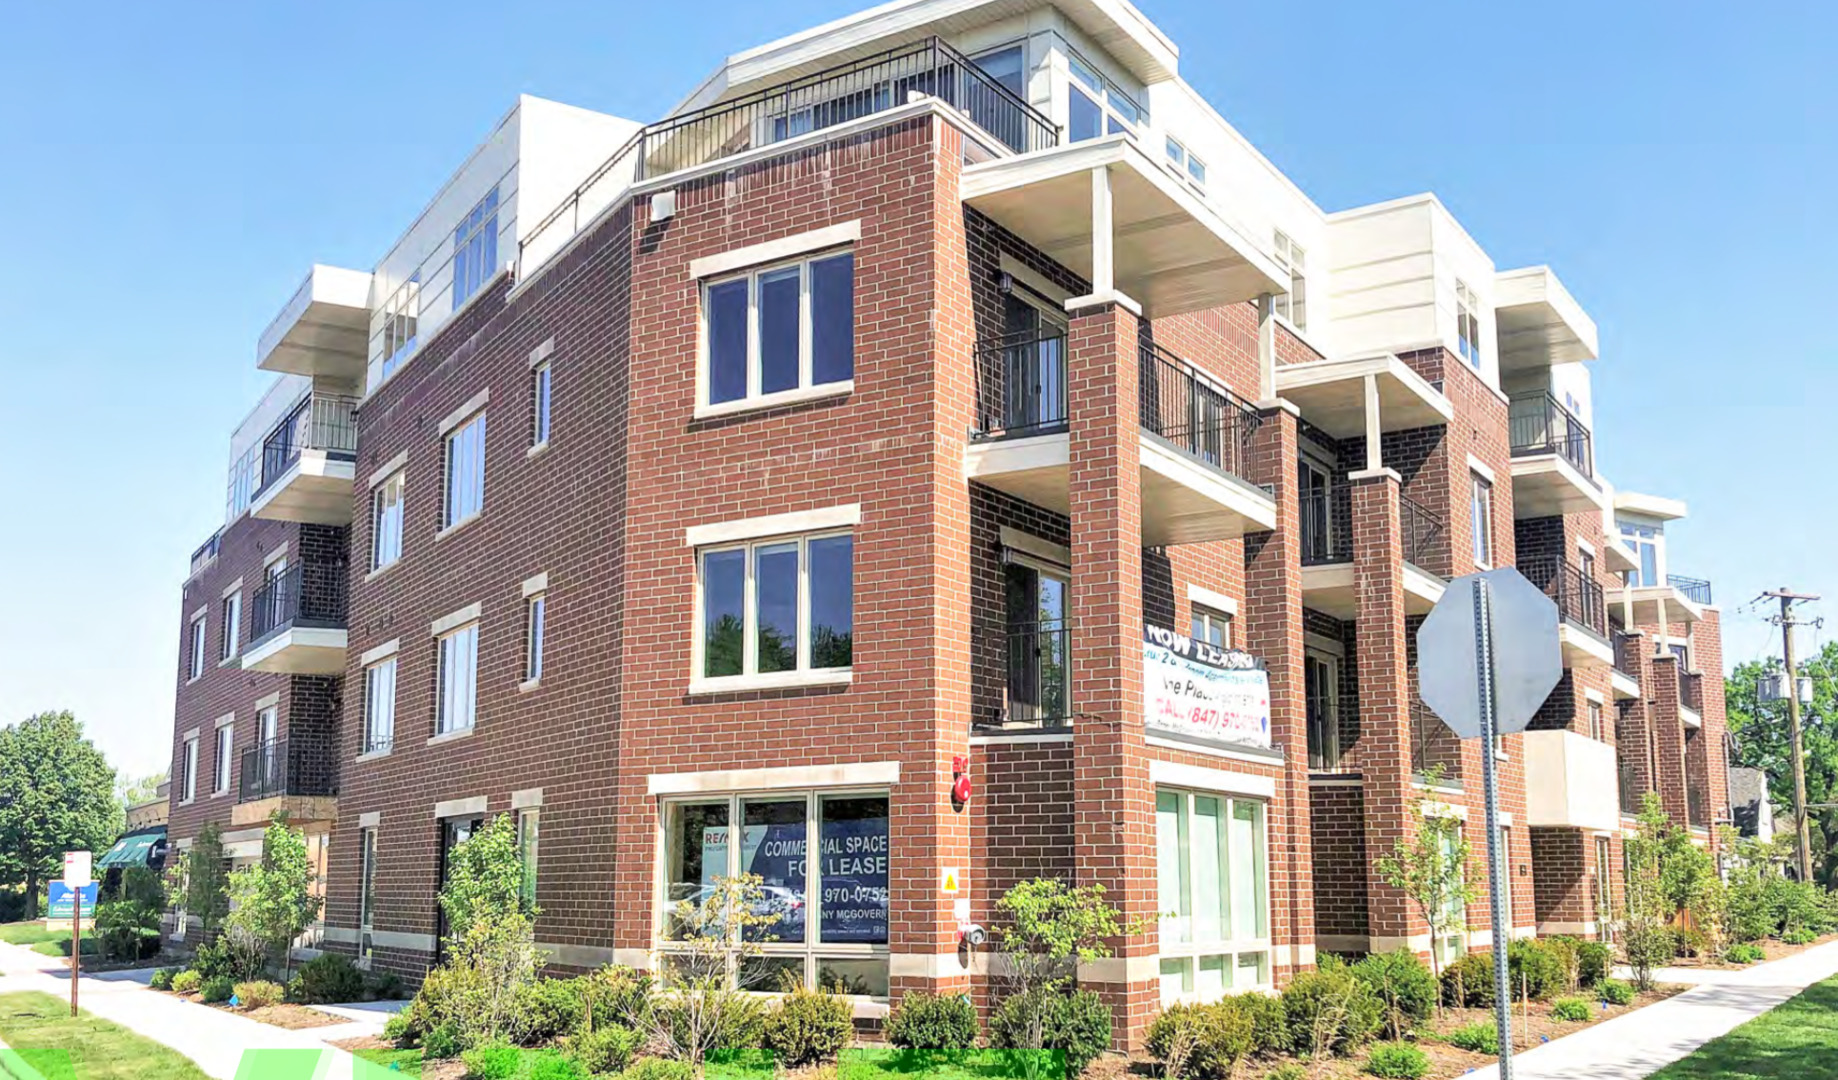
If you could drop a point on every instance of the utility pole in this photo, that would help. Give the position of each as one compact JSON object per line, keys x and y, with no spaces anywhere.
{"x":1787,"y":622}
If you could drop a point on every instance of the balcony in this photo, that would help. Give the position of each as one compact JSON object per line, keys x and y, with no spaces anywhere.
{"x":1621,"y":677}
{"x":1583,"y":628}
{"x":1037,"y":678}
{"x":1553,"y":463}
{"x":324,"y":331}
{"x":1195,"y":448}
{"x":1538,"y":322}
{"x":297,"y":621}
{"x":1696,"y":590}
{"x":1632,"y":792}
{"x":309,"y":462}
{"x":1637,"y":604}
{"x":1348,"y":398}
{"x":1571,"y":781}
{"x":298,"y":776}
{"x":1329,"y":584}
{"x":1433,"y":747}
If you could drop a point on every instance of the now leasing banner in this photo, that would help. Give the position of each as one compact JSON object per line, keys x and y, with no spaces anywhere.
{"x":1200,"y":691}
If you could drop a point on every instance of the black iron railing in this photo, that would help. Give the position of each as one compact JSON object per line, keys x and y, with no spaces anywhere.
{"x":320,"y":421}
{"x":303,"y":766}
{"x":1697,"y":804}
{"x":1625,"y":653}
{"x":1208,"y":422}
{"x":1632,"y":790}
{"x":1540,"y":425}
{"x":825,"y":99}
{"x":308,"y":594}
{"x":1691,"y":690}
{"x":1327,"y":532}
{"x":1578,"y":597}
{"x":1038,"y":675}
{"x":1422,"y":532}
{"x":1020,"y":386}
{"x":207,"y":552}
{"x":1434,"y":749}
{"x":1696,"y":590}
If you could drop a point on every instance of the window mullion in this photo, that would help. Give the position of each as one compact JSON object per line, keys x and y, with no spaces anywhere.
{"x":803,"y":615}
{"x":804,"y":325}
{"x":749,"y":608}
{"x":755,"y":378}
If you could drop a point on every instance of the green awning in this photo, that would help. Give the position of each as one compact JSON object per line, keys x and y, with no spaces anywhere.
{"x":135,"y":850}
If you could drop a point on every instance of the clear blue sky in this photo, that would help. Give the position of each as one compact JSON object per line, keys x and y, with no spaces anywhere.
{"x":172,"y":169}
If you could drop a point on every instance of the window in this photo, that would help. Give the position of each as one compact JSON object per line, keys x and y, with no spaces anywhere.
{"x":401,"y":313}
{"x":1213,"y":892}
{"x":380,"y":706}
{"x":195,"y":653}
{"x":831,"y":929}
{"x":1480,"y":520}
{"x":1315,"y":483}
{"x":1212,"y":627}
{"x":386,"y":522}
{"x":459,"y":670}
{"x":782,"y":605}
{"x":1096,"y":106}
{"x":1007,"y":66}
{"x":226,"y":742}
{"x":1453,"y":944}
{"x":1321,"y":698}
{"x":367,"y":893}
{"x":465,"y":471}
{"x":188,"y":769}
{"x":1039,"y":668}
{"x":1293,"y":305}
{"x":1596,"y":731}
{"x":526,"y":851}
{"x":1183,"y":161}
{"x":1645,"y":541}
{"x":1468,"y":324}
{"x":539,"y":404}
{"x":1604,"y":885}
{"x":1585,"y":562}
{"x":268,"y":725}
{"x":780,"y":329}
{"x":475,"y":248}
{"x":232,"y":624}
{"x":534,"y":610}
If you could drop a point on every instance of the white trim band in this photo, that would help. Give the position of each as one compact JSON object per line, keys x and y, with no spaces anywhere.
{"x":1230,"y":783}
{"x":464,"y":412}
{"x":448,"y":808}
{"x":1212,"y":598}
{"x":851,"y":774}
{"x":469,"y":613}
{"x":785,"y":247}
{"x":381,"y":652}
{"x":537,"y":584}
{"x":389,"y":468}
{"x":803,"y":521}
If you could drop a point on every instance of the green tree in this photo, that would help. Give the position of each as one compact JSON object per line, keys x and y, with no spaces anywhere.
{"x":271,"y":902}
{"x":1763,"y":742}
{"x":145,"y":789}
{"x":1648,"y":906}
{"x":57,"y":794}
{"x":703,"y":1007}
{"x":485,"y":879}
{"x":200,"y":877}
{"x":1430,"y":867}
{"x":1051,"y":928}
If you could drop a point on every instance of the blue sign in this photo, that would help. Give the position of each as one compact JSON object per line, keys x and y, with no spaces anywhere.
{"x":63,"y":901}
{"x":853,"y":863}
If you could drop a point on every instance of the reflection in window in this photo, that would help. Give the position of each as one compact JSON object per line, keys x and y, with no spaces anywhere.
{"x":777,"y":606}
{"x":1212,"y":886}
{"x":779,"y":329}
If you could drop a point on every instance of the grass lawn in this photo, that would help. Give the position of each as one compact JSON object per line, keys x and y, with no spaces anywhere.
{"x":407,"y":1061}
{"x":40,"y":1028}
{"x":30,"y":933}
{"x":1798,"y":1039}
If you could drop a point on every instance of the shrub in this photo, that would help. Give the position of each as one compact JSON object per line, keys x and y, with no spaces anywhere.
{"x":213,"y":959}
{"x":604,"y":1050}
{"x":620,"y":995}
{"x":1480,"y":1037}
{"x":384,"y":987}
{"x":1690,"y":941}
{"x":1571,"y":1010}
{"x":1328,"y":1011}
{"x":1743,"y":953}
{"x":395,"y":1030}
{"x":1468,"y":982}
{"x":548,"y":1009}
{"x":1269,"y":1024}
{"x":1615,"y":992}
{"x":187,"y":982}
{"x":441,"y":1041}
{"x":493,"y":1061}
{"x":809,"y":1026}
{"x":1594,"y":961}
{"x":327,"y":979}
{"x":551,"y":1065}
{"x":659,"y":1069}
{"x":217,"y":989}
{"x":740,"y":1026}
{"x":1563,"y":950}
{"x":259,"y":994}
{"x":1398,"y":1060}
{"x":162,"y":979}
{"x":1288,"y":1070}
{"x":1077,"y":1022}
{"x":923,"y":1021}
{"x":1799,"y":935}
{"x":1205,"y":1042}
{"x":1403,"y":985}
{"x":1533,"y":971}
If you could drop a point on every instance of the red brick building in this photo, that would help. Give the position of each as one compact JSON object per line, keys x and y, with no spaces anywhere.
{"x":939,"y":392}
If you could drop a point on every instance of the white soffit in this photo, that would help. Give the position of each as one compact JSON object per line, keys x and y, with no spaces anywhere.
{"x":1652,"y":506}
{"x":1538,"y":320}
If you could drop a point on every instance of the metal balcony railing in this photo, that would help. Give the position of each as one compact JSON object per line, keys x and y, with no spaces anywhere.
{"x":1433,"y":746}
{"x":320,"y":421}
{"x":1020,"y":386}
{"x":308,"y":594}
{"x":1697,"y":804}
{"x":207,"y":552}
{"x":1540,"y":425}
{"x":1691,"y":690}
{"x":1631,"y":789}
{"x":836,"y":95}
{"x":1625,"y":660}
{"x":1037,"y":689}
{"x":304,"y":766}
{"x":1208,"y":422}
{"x":1327,"y":532}
{"x":1696,"y":590}
{"x":1422,"y":532}
{"x":1579,"y":598}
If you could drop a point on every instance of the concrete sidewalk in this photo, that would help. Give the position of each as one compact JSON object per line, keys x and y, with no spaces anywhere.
{"x":1640,"y":1043}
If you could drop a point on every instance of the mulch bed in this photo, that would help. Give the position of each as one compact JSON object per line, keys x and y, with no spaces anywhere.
{"x":285,"y":1015}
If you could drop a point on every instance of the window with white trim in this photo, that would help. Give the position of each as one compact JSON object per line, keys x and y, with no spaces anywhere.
{"x":1468,"y":324}
{"x":781,"y":605}
{"x":528,"y":828}
{"x":539,"y":404}
{"x":188,"y":770}
{"x":779,"y":329}
{"x":386,"y":521}
{"x":1096,"y":106}
{"x":458,"y":680}
{"x":1452,"y":945}
{"x":1480,"y":519}
{"x":535,"y":610}
{"x":1184,"y":162}
{"x":380,"y":706}
{"x":195,"y":650}
{"x":367,"y":893}
{"x":465,"y":454}
{"x":226,"y":744}
{"x":475,"y":248}
{"x":1292,"y":305}
{"x":831,"y":912}
{"x":1321,"y":697}
{"x":401,"y":316}
{"x":267,"y":725}
{"x":1596,"y":727}
{"x":1211,"y":626}
{"x":1213,"y":889}
{"x":1645,"y":541}
{"x":232,"y":625}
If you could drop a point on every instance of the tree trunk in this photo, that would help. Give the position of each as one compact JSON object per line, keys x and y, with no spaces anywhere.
{"x":31,"y":895}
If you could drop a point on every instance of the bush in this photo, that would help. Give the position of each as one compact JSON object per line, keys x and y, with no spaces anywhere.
{"x":1690,"y":941}
{"x":384,"y":987}
{"x":1398,"y":1060}
{"x":1077,"y":1023}
{"x":1563,"y":950}
{"x":1403,"y":985}
{"x":1799,"y":935}
{"x":441,"y":1041}
{"x":1571,"y":1010}
{"x":1269,"y":1024}
{"x":494,"y":1061}
{"x":1533,"y":971}
{"x":659,"y":1069}
{"x":213,"y":959}
{"x":1480,"y":1037}
{"x":549,"y":1009}
{"x":1615,"y":992}
{"x":162,"y":979}
{"x":327,"y":979}
{"x":1327,"y":1010}
{"x":1468,"y":982}
{"x":742,"y":1023}
{"x":217,"y":989}
{"x":923,"y":1021}
{"x":1742,"y":954}
{"x":1594,"y":961}
{"x":1288,"y":1070}
{"x":1205,"y":1042}
{"x":128,"y":930}
{"x":259,"y":994}
{"x":604,"y":1050}
{"x":620,"y":995}
{"x":810,"y":1026}
{"x":395,"y":1030}
{"x":187,"y":982}
{"x":550,"y":1065}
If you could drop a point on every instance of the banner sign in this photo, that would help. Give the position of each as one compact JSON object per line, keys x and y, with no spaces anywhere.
{"x":854,"y":876}
{"x":1198,"y":690}
{"x":62,"y":901}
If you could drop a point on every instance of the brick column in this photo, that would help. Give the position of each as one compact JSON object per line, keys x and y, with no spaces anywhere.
{"x":1273,"y":631}
{"x":1114,"y":806}
{"x":1384,"y":697}
{"x":1669,"y":738}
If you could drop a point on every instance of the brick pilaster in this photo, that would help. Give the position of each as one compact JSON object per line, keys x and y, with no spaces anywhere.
{"x":1668,"y":737}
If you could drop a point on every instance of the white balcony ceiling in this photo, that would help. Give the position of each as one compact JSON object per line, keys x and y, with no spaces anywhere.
{"x":324,"y":331}
{"x":1332,"y":395}
{"x":1538,"y":321}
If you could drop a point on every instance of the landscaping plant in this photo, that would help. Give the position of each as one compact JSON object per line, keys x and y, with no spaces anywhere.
{"x":492,"y":1061}
{"x":701,"y":1009}
{"x":925,"y":1021}
{"x":1048,"y":929}
{"x":1594,"y":961}
{"x":1328,"y":1011}
{"x":603,"y":1051}
{"x":1398,"y":1061}
{"x":259,"y":994}
{"x":1532,"y":970}
{"x":187,"y":982}
{"x":1203,"y":1042}
{"x":1468,"y":982}
{"x":1615,"y":992}
{"x":1430,"y":868}
{"x":162,"y":979}
{"x":1743,"y":953}
{"x":1571,"y":1010}
{"x":1480,"y":1037}
{"x":217,"y":990}
{"x":809,"y":1026}
{"x":1647,"y":908}
{"x":1402,"y":983}
{"x":272,"y":902}
{"x":327,"y":979}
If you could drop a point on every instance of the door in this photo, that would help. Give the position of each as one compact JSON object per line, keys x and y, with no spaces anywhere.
{"x":453,"y":833}
{"x":1321,"y":693}
{"x":1039,"y":678}
{"x":1033,"y":363}
{"x":1312,"y":482}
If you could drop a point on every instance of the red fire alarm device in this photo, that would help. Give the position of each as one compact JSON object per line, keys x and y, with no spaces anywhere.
{"x":960,"y":781}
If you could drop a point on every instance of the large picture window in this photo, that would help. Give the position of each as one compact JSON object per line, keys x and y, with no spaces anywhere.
{"x":465,"y":472}
{"x":780,"y":330}
{"x":777,"y":606}
{"x":1213,"y":890}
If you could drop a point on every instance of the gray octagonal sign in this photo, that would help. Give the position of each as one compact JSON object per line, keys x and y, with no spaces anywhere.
{"x":1527,"y":658}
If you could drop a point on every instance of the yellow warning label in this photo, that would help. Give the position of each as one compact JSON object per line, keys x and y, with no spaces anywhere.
{"x":950,"y":884}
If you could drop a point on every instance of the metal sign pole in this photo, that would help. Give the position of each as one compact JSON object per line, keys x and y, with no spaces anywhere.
{"x":76,"y":944}
{"x":1497,"y":882}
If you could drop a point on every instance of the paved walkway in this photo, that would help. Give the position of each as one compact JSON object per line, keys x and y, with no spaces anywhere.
{"x":1639,"y":1043}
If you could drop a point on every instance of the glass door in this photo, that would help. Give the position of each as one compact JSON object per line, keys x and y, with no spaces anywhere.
{"x":1033,"y":364}
{"x":1039,"y":677}
{"x":1312,"y":481}
{"x":1321,"y":692}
